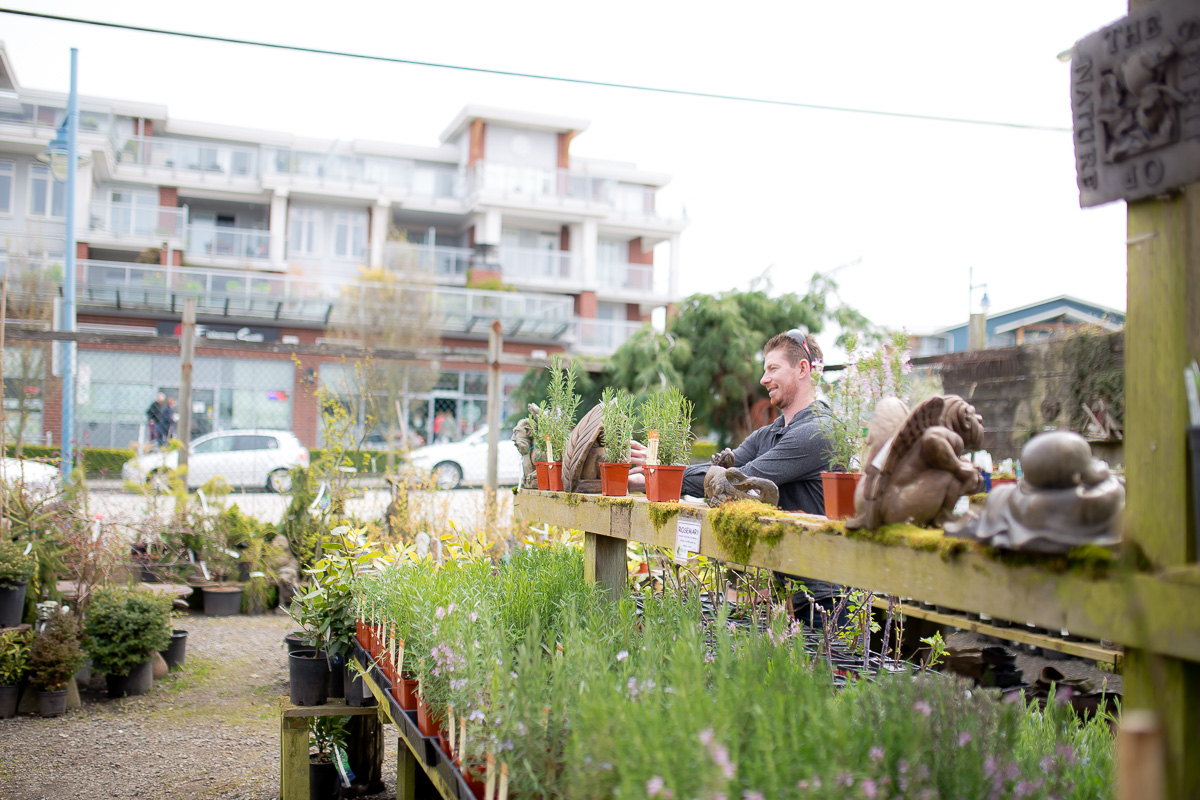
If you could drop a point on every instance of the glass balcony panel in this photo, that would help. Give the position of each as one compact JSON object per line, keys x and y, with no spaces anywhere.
{"x":219,"y":241}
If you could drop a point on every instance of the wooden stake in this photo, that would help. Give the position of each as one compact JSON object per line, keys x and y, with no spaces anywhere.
{"x":503,"y":781}
{"x":489,"y":792}
{"x":1141,"y":757}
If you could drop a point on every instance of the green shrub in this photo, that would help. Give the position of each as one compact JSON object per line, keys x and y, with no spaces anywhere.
{"x":96,"y":460}
{"x":359,"y":459}
{"x":56,"y":654}
{"x":124,"y":627}
{"x":703,"y":451}
{"x":14,"y":656}
{"x":15,"y":566}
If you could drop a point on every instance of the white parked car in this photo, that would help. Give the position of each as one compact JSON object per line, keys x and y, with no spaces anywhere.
{"x":241,"y":458}
{"x":37,"y":479}
{"x":465,"y":462}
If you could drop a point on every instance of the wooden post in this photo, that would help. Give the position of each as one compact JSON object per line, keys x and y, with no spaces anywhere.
{"x":605,"y":562}
{"x":406,"y":772}
{"x":495,"y":416}
{"x":187,"y":348}
{"x":1140,"y":757}
{"x":293,"y":758}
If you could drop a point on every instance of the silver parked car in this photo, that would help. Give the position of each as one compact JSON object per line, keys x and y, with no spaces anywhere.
{"x":241,"y":458}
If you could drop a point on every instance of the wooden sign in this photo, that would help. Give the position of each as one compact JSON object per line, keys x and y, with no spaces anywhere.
{"x":1135,"y":103}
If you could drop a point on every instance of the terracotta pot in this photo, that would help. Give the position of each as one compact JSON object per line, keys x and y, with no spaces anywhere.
{"x":614,"y":479}
{"x":1002,"y":481}
{"x":427,"y":721}
{"x":839,"y":493}
{"x":553,"y":475}
{"x":407,"y":696}
{"x":474,"y":781}
{"x":664,"y":484}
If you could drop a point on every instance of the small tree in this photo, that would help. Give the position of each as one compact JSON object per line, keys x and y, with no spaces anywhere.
{"x":56,"y":654}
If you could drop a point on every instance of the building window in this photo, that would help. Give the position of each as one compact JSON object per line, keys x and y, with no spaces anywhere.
{"x":304,"y":235}
{"x":47,"y":197}
{"x":7,"y":170}
{"x":350,"y":234}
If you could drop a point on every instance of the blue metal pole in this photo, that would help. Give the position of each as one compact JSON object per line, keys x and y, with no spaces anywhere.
{"x":67,"y":442}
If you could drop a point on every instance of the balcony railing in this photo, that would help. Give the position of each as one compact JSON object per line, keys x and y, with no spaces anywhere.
{"x":439,"y":262}
{"x":530,"y":265}
{"x":42,"y":118}
{"x":603,"y":335}
{"x":207,"y":162}
{"x":633,"y":278}
{"x":139,"y":222}
{"x":214,"y":241}
{"x":524,"y":314}
{"x":562,"y":187}
{"x":330,"y":170}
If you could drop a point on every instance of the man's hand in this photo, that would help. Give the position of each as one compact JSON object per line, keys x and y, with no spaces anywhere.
{"x":637,"y":453}
{"x":637,"y":480}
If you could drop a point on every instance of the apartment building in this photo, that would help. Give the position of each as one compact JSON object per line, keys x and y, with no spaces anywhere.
{"x":271,"y":232}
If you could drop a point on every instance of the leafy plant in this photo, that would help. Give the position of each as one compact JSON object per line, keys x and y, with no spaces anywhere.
{"x":669,"y":413}
{"x":325,"y":733}
{"x":56,"y":654}
{"x":618,"y":424}
{"x":327,"y":612}
{"x":558,"y":414}
{"x":869,"y":376}
{"x":125,"y":626}
{"x":15,"y":566}
{"x":14,"y":656}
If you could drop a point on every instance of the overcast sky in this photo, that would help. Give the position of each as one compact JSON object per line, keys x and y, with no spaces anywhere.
{"x":907,"y":205}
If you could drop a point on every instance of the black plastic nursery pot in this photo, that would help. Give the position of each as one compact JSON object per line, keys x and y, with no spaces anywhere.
{"x":337,"y":671}
{"x":9,"y":696}
{"x":222,"y":601}
{"x":12,"y":604}
{"x":308,"y":677}
{"x":322,"y":780}
{"x":355,"y":694}
{"x":52,"y":704}
{"x":295,"y":641}
{"x":139,"y":681}
{"x":176,"y":652}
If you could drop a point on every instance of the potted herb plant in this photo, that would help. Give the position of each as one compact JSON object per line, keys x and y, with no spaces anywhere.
{"x":869,"y":376}
{"x":326,"y":735}
{"x":14,"y":662}
{"x":16,"y":568}
{"x":53,"y":660}
{"x":667,"y":422}
{"x":553,"y":425}
{"x":618,"y":431}
{"x":124,"y":627}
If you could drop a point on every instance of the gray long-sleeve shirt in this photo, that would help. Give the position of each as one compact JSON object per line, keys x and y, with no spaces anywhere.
{"x":792,"y":457}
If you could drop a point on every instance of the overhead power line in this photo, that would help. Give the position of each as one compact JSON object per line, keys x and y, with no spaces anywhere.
{"x":535,"y":76}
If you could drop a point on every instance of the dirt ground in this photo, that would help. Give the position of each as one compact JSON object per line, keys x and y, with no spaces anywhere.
{"x":208,"y":732}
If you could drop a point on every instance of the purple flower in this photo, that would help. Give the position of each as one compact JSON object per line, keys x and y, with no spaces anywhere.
{"x":654,"y":786}
{"x":876,"y":753}
{"x":706,"y":737}
{"x":621,"y":656}
{"x":440,"y":613}
{"x":474,"y":617}
{"x":963,"y":738}
{"x":902,"y":767}
{"x":845,"y":780}
{"x":923,"y":708}
{"x":870,"y":791}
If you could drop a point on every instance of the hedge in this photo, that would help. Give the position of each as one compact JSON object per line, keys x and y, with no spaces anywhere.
{"x":96,"y":460}
{"x":703,"y":451}
{"x":359,"y":459}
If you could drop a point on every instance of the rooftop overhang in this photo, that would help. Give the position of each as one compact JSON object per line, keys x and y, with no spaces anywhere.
{"x":513,"y":117}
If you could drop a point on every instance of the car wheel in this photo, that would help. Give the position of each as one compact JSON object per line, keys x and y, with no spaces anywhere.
{"x":447,"y":475}
{"x":279,"y":481}
{"x":159,"y":481}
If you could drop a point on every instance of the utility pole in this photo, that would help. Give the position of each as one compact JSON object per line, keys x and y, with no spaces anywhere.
{"x":494,"y":416}
{"x":187,"y":348}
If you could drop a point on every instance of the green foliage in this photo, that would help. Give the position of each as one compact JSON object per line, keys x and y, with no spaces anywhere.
{"x":327,"y":612}
{"x":14,"y":656}
{"x":125,"y":626}
{"x":15,"y":566}
{"x":300,"y":527}
{"x":56,"y":654}
{"x":96,"y":460}
{"x":359,"y":459}
{"x":1096,"y":372}
{"x":669,"y":413}
{"x":703,"y":451}
{"x":558,"y":414}
{"x":325,"y":733}
{"x":870,"y":376}
{"x":618,"y":424}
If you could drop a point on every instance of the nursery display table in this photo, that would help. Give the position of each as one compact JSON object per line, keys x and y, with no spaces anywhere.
{"x":293,"y":740}
{"x":67,"y":589}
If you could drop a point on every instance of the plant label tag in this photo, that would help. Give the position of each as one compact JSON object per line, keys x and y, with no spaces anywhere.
{"x":399,"y":656}
{"x":203,"y":500}
{"x":28,"y":548}
{"x":652,"y":448}
{"x":502,"y":794}
{"x":687,"y":537}
{"x":489,"y":792}
{"x":232,"y":553}
{"x":549,"y":450}
{"x":204,"y":571}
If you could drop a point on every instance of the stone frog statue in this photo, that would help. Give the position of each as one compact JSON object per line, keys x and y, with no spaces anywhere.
{"x":522,"y":437}
{"x":915,"y":470}
{"x":1066,"y":498}
{"x":724,"y":482}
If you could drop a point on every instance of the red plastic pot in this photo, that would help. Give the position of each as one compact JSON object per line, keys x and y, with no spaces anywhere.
{"x":428,"y":722}
{"x":407,"y":696}
{"x":614,"y":479}
{"x":839,"y":493}
{"x":549,"y":475}
{"x":664,"y":484}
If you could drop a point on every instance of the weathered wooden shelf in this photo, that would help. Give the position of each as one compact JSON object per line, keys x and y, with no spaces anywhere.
{"x":1151,"y":611}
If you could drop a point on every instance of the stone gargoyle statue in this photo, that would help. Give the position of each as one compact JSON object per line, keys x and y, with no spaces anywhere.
{"x":584,"y":452}
{"x":724,"y":482}
{"x":1065,"y":498}
{"x":522,"y":437}
{"x":915,"y":470}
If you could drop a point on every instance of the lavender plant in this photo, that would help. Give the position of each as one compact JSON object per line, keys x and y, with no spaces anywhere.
{"x":869,"y":376}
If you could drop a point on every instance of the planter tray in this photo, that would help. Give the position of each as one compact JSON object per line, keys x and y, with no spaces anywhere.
{"x":377,"y":675}
{"x":448,"y":773}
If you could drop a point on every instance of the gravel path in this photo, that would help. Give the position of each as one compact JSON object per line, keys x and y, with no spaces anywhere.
{"x":208,"y":732}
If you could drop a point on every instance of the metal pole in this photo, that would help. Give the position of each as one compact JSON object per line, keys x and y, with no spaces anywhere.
{"x":67,"y":321}
{"x":187,"y":349}
{"x":494,"y":416}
